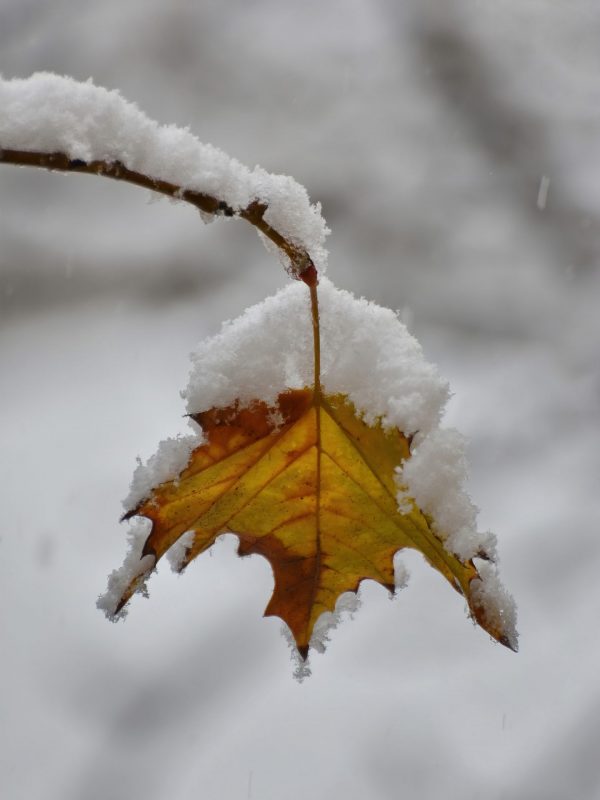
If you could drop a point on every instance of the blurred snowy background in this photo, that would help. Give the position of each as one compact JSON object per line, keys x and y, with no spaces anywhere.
{"x":456,"y":150}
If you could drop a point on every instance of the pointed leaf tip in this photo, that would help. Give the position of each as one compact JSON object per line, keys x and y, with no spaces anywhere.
{"x":303,"y":651}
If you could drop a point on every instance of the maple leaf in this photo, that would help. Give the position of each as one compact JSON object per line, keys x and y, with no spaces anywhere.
{"x":313,"y":487}
{"x":310,"y":487}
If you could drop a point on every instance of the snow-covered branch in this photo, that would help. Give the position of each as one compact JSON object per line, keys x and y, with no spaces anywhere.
{"x":60,"y":124}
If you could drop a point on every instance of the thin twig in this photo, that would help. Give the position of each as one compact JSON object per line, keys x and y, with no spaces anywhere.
{"x":300,"y":261}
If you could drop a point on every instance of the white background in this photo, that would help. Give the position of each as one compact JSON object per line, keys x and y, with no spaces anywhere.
{"x":425,"y":129}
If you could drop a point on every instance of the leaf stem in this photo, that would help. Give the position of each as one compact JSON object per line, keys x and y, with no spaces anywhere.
{"x":311,"y":279}
{"x":300,"y":261}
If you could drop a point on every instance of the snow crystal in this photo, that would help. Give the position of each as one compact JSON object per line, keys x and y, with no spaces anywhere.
{"x":434,"y":478}
{"x":498,"y":606}
{"x":133,"y":567}
{"x":542,"y":197}
{"x":366,"y":354}
{"x":401,"y":574}
{"x":347,"y":604}
{"x":166,"y":464}
{"x":178,"y":551}
{"x":302,"y":668}
{"x":54,"y":114}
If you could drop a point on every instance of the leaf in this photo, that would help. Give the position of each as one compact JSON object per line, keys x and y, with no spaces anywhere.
{"x":310,"y":487}
{"x":313,"y":486}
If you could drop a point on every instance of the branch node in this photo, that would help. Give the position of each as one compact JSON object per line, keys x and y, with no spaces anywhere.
{"x":256,"y":210}
{"x":224,"y":209}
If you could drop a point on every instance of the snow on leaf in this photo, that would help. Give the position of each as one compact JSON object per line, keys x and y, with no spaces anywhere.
{"x":314,"y":483}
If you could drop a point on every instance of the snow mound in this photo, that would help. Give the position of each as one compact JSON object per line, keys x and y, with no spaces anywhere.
{"x":366,"y":354}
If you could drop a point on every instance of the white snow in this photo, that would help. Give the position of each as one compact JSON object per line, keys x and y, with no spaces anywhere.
{"x":177,"y":552}
{"x":434,"y":477}
{"x":133,"y":567}
{"x":498,"y":606}
{"x":54,"y":114}
{"x":366,"y":354}
{"x":347,"y":604}
{"x":401,"y":574}
{"x":165,"y":465}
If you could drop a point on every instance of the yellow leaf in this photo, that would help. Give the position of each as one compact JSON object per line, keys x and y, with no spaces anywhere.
{"x":310,"y":486}
{"x":307,"y":483}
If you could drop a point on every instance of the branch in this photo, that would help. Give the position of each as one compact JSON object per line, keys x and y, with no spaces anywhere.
{"x":302,"y":266}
